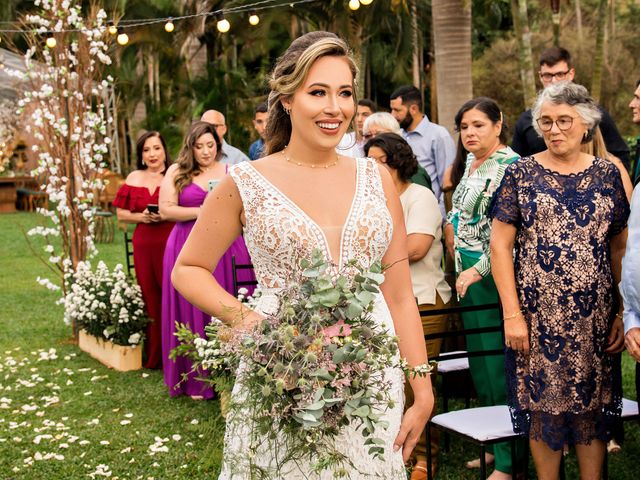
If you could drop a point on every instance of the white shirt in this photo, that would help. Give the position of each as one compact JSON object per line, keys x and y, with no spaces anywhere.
{"x":422,"y":215}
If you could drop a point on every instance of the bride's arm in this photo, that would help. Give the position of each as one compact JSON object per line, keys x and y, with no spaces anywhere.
{"x":398,"y":294}
{"x":218,"y":225}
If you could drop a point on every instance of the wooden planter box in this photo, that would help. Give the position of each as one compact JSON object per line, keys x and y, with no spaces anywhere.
{"x":118,"y":357}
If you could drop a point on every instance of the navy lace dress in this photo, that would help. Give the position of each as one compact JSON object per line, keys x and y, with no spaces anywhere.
{"x":562,"y":391}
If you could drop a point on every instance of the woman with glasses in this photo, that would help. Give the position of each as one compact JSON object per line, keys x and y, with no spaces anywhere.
{"x":565,"y":212}
{"x":481,"y":160}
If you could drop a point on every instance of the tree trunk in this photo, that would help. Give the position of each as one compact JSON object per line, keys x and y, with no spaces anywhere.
{"x":520,"y":14}
{"x":596,"y":79}
{"x":415,"y":42}
{"x":579,"y":20}
{"x":452,"y":47}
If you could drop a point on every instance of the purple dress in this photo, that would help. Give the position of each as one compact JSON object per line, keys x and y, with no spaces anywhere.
{"x":176,"y":308}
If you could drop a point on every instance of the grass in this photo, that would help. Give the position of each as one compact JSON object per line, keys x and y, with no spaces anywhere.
{"x":62,"y":402}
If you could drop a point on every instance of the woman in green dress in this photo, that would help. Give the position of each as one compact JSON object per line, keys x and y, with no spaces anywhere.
{"x":477,"y":171}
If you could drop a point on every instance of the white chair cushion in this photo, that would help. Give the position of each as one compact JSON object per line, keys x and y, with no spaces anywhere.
{"x":482,"y":423}
{"x":629,"y":408}
{"x":455,"y":365}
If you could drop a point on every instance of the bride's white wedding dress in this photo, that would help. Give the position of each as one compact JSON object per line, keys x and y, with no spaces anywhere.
{"x":276,"y":232}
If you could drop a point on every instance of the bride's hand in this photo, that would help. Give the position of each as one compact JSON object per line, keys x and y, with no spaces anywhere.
{"x":412,"y":426}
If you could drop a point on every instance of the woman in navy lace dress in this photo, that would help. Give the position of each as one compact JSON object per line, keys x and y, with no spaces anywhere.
{"x":565,"y":212}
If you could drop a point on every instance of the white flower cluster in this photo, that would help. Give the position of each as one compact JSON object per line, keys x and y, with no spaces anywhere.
{"x":65,"y":102}
{"x":106,"y":301}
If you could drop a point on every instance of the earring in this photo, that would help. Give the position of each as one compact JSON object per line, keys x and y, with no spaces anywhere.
{"x":287,"y":110}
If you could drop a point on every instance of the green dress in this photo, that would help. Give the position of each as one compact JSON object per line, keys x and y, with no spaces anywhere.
{"x":472,"y":229}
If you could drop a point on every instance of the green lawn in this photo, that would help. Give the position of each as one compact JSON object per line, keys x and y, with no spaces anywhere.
{"x":63,"y":415}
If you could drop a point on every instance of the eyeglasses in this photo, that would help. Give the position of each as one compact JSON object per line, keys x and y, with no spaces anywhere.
{"x":547,"y":77}
{"x":564,"y":123}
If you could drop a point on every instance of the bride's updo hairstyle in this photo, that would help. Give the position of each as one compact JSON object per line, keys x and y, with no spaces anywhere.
{"x":290,"y":73}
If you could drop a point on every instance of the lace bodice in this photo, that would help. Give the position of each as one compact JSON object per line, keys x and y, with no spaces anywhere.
{"x":278,"y":232}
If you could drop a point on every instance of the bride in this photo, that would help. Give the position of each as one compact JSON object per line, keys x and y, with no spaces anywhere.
{"x":304,"y":196}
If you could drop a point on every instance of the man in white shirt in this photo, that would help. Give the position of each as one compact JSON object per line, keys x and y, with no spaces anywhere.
{"x":230,"y":154}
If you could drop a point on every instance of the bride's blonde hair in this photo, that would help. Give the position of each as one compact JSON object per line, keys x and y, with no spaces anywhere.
{"x":290,"y":72}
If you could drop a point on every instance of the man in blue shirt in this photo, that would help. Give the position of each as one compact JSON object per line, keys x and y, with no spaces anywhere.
{"x":260,"y":124}
{"x":430,"y":142}
{"x":630,"y":284}
{"x":230,"y":155}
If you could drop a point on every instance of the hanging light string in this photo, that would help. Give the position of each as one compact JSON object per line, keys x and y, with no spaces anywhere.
{"x":133,"y":23}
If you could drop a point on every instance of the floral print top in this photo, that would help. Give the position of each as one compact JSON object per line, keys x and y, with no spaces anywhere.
{"x":471,"y":200}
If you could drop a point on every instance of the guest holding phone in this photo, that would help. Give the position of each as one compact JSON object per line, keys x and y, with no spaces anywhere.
{"x":137,"y":202}
{"x":185,"y":187}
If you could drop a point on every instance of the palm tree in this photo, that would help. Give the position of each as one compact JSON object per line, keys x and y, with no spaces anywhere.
{"x":452,"y":47}
{"x":519,"y":11}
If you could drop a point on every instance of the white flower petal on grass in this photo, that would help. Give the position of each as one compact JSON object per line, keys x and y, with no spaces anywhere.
{"x":95,"y":421}
{"x":176,"y":437}
{"x":86,"y":394}
{"x":84,"y":442}
{"x":104,"y":442}
{"x":125,"y":450}
{"x":195,"y":421}
{"x":145,"y":375}
{"x":125,"y":422}
{"x":128,"y":415}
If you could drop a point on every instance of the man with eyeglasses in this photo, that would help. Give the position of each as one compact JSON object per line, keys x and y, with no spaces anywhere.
{"x":555,"y":66}
{"x":230,"y":154}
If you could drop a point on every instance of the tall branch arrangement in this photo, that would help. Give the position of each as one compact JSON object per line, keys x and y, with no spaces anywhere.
{"x":64,"y":107}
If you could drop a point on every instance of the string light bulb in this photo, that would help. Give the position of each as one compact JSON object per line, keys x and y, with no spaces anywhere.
{"x":366,"y":2}
{"x":254,"y":19}
{"x":51,"y":42}
{"x":223,"y":25}
{"x":354,"y":4}
{"x":169,"y":26}
{"x":122,"y":38}
{"x":112,"y":28}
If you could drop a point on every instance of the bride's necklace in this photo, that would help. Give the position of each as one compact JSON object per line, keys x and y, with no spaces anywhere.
{"x":310,"y":165}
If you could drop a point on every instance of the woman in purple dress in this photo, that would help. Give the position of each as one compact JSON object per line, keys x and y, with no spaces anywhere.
{"x":183,"y":190}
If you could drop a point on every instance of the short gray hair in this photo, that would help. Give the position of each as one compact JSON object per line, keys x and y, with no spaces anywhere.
{"x":569,"y":93}
{"x":385,"y":121}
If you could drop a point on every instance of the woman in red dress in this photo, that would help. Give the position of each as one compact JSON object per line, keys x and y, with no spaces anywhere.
{"x":137,"y":202}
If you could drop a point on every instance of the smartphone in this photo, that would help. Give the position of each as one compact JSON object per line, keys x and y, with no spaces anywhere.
{"x":213,"y":183}
{"x":153,"y":208}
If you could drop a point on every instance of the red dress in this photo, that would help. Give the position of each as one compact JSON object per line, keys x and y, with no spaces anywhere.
{"x":149,"y":240}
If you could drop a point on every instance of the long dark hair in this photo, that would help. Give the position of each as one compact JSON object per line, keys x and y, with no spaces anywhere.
{"x":399,"y":154}
{"x":140,"y":165}
{"x":188,"y":166}
{"x":491,"y":109}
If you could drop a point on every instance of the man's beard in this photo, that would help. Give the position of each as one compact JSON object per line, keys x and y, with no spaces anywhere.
{"x":406,"y":122}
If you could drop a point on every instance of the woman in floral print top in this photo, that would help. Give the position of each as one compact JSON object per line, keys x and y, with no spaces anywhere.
{"x":482,"y":134}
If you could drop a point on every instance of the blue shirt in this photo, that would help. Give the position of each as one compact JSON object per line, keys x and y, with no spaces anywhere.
{"x":232,"y":155}
{"x":435,"y":151}
{"x":256,"y":149}
{"x":630,"y":284}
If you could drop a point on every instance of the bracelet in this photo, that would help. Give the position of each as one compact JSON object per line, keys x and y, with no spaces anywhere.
{"x":519,"y":312}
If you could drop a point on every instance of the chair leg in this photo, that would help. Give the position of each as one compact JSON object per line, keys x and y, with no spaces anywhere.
{"x":483,"y":462}
{"x":429,"y":459}
{"x":445,"y":406}
{"x":562,"y":472}
{"x":605,"y":465}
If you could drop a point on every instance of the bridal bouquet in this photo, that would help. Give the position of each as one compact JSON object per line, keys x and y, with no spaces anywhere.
{"x":315,"y":366}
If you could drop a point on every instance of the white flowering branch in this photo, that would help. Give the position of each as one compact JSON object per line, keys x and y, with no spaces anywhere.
{"x":64,"y":102}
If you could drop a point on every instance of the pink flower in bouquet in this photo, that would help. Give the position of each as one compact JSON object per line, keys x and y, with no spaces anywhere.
{"x":338,"y":329}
